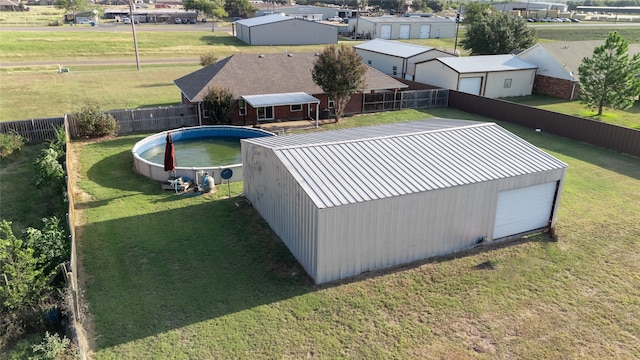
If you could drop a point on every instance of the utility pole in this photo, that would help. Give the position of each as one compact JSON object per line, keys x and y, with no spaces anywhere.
{"x":357,"y":16}
{"x":455,"y":44}
{"x":133,"y":29}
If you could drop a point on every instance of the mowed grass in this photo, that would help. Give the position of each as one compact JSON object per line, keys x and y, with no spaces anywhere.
{"x":628,"y":118}
{"x":204,"y":277}
{"x":20,"y":200}
{"x":580,"y":32}
{"x":49,"y":94}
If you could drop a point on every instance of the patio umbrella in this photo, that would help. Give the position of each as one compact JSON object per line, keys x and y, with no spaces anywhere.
{"x":169,"y":155}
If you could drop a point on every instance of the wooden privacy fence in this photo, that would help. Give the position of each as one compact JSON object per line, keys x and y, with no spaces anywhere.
{"x":149,"y":119}
{"x":612,"y":137}
{"x":34,"y":130}
{"x":155,"y":119}
{"x":129,"y":122}
{"x":71,"y":272}
{"x":410,"y":99}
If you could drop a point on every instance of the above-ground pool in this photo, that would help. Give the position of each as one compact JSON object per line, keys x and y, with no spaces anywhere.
{"x":198,"y":149}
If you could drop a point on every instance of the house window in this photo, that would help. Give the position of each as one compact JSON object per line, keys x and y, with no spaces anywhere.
{"x":330,"y":103}
{"x":242,"y":106}
{"x":205,"y":113}
{"x":296,"y":107}
{"x":507,"y":83}
{"x":368,"y":62}
{"x":395,"y":70}
{"x":265,"y":113}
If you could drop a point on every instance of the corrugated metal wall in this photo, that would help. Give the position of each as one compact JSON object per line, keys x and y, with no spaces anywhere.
{"x":342,"y":234}
{"x":339,"y":242}
{"x":282,"y":203}
{"x":384,"y":233}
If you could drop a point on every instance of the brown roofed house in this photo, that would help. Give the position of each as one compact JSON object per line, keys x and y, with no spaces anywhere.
{"x":272,"y":87}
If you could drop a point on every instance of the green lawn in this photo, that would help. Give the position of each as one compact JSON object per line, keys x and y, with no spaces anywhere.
{"x":628,"y":118}
{"x":201,"y":277}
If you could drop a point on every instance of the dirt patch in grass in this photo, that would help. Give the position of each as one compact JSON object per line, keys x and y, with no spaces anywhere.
{"x":85,"y":325}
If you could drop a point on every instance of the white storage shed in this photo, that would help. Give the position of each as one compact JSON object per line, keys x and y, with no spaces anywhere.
{"x":349,"y":201}
{"x":491,"y":76}
{"x":396,"y":58}
{"x":393,"y":27}
{"x":284,"y":30}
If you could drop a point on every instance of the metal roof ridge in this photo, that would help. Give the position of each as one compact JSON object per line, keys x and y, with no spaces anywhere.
{"x":351,"y":141}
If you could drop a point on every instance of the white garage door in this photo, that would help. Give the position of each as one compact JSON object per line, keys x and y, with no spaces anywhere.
{"x":425,"y":31}
{"x":470,"y":85}
{"x":385,"y":32}
{"x":524,"y":209}
{"x":404,"y":31}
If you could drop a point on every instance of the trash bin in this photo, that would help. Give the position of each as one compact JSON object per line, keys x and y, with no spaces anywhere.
{"x":324,"y":114}
{"x":93,"y":23}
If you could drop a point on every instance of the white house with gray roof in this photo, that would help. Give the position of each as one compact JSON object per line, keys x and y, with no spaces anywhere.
{"x":349,"y":201}
{"x":396,"y":58}
{"x":394,"y":27}
{"x":280,"y":29}
{"x":493,"y":76}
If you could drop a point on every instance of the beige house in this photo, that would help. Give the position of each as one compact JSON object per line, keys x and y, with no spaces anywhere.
{"x":396,"y":58}
{"x":493,"y":76}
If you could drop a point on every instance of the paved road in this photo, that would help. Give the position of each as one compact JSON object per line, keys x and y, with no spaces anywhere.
{"x":71,"y":63}
{"x":114,"y":27}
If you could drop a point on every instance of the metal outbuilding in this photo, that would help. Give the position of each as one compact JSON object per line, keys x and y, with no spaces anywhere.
{"x":394,"y":27}
{"x":396,"y":58}
{"x":349,"y":201}
{"x":280,"y":29}
{"x":492,"y":76}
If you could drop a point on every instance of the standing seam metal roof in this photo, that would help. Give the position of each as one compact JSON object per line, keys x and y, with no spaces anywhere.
{"x":280,"y":99}
{"x":485,"y":63}
{"x":348,"y":171}
{"x":261,"y":20}
{"x":394,"y":48}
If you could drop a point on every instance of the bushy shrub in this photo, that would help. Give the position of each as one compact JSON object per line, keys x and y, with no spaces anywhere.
{"x":25,"y":287}
{"x":49,"y":170}
{"x":10,"y":143}
{"x":93,"y":123}
{"x":208,"y":59}
{"x":59,"y":143}
{"x":53,"y":347}
{"x":50,"y":243}
{"x":218,"y":101}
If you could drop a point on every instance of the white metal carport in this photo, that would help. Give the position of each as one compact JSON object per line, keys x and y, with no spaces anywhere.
{"x":295,"y":98}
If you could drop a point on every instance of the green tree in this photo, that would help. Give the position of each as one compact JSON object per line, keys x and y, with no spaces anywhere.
{"x":219,"y":103}
{"x":23,"y":286}
{"x":26,"y":281}
{"x":340,"y":73}
{"x":241,"y":8}
{"x":610,"y":77}
{"x":475,"y":11}
{"x":490,"y":33}
{"x":200,"y":6}
{"x":71,"y":6}
{"x":218,"y":9}
{"x":51,"y":243}
{"x":435,"y":6}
